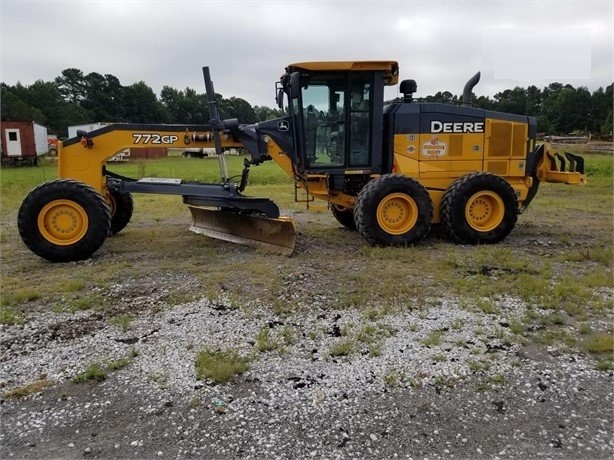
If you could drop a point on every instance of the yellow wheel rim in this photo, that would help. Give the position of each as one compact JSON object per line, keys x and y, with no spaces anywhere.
{"x":484,"y":211}
{"x":397,"y":213}
{"x":63,"y":222}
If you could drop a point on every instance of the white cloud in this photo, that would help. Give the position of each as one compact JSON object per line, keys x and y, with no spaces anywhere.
{"x":247,"y":44}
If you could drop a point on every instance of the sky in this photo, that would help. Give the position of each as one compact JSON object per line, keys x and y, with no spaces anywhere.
{"x":247,"y":44}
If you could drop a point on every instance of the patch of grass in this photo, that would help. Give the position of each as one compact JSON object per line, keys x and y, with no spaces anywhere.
{"x":557,"y":319}
{"x":31,"y":388}
{"x":584,"y":328}
{"x":439,"y":358}
{"x":375,"y":350}
{"x":10,"y":317}
{"x":179,"y":298}
{"x":288,"y":335}
{"x":606,"y":364}
{"x":19,"y":296}
{"x":599,"y":342}
{"x":488,"y":306}
{"x":124,"y":322}
{"x":433,"y":339}
{"x":220,"y":365}
{"x":479,"y":365}
{"x":601,"y":254}
{"x":70,"y":285}
{"x":118,"y":364}
{"x":498,"y":379}
{"x":393,"y":377}
{"x":343,"y":348}
{"x":516,"y":327}
{"x":80,"y":303}
{"x":550,"y":337}
{"x":93,"y":373}
{"x":161,"y":378}
{"x":264,"y":341}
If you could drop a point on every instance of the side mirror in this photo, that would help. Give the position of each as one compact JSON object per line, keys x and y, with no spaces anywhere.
{"x":279,"y":98}
{"x":294,"y":89}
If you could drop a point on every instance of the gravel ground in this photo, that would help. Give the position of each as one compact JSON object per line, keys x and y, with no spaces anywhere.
{"x":436,"y":382}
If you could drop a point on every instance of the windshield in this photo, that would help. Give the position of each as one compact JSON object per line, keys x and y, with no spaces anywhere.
{"x":335,"y":110}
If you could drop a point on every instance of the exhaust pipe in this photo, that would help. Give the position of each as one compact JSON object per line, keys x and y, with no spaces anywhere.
{"x":467,"y":97}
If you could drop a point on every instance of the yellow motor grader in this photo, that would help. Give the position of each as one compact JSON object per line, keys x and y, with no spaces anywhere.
{"x":387,"y":170}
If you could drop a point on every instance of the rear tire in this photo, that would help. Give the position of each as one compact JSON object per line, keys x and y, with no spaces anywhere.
{"x":122,"y":207}
{"x":345,"y":216}
{"x":479,"y":208}
{"x":393,"y":210}
{"x":64,"y":220}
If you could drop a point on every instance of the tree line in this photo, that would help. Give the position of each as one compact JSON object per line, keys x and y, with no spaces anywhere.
{"x":75,"y":98}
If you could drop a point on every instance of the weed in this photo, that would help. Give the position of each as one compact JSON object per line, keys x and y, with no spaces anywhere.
{"x":457,"y":324}
{"x":439,"y":358}
{"x":80,"y":303}
{"x":557,"y":319}
{"x":393,"y":377}
{"x":69,"y":285}
{"x":94,"y":372}
{"x":482,"y":385}
{"x":124,"y":322}
{"x":10,"y":317}
{"x":478,"y":366}
{"x":220,"y":365}
{"x":584,"y":329}
{"x":375,"y":350}
{"x":488,"y":306}
{"x":499,"y":379}
{"x":31,"y":388}
{"x":549,"y":337}
{"x":19,"y":296}
{"x":134,"y":352}
{"x":314,"y":334}
{"x":179,"y":298}
{"x":599,"y":342}
{"x":161,"y":378}
{"x":606,"y":364}
{"x":516,"y":327}
{"x":264,"y":341}
{"x":433,"y":339}
{"x":287,"y":335}
{"x":119,"y":364}
{"x":342,"y":348}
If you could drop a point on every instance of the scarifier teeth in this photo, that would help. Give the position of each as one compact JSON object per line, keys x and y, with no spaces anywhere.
{"x":562,"y":160}
{"x":576,"y":162}
{"x":553,"y":166}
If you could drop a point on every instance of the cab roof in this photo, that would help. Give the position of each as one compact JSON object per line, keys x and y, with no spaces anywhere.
{"x":391,"y":68}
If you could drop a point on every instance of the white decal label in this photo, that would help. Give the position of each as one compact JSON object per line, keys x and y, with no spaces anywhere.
{"x":457,"y":127}
{"x":154,"y":138}
{"x":434,"y":148}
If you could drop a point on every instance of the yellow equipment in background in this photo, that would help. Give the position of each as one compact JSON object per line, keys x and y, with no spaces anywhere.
{"x":387,"y":170}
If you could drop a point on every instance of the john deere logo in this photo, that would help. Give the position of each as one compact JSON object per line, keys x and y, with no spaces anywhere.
{"x":283,"y":126}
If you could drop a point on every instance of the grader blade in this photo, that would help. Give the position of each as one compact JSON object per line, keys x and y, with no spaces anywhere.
{"x":271,"y":235}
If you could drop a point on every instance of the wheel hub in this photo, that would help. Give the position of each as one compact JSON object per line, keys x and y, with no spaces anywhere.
{"x":397,"y":213}
{"x":485,"y":211}
{"x":63,"y":222}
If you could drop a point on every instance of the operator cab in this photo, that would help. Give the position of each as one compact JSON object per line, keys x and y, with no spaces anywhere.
{"x":337,"y":110}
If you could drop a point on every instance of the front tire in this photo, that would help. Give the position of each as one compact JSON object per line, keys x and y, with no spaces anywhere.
{"x":393,"y":210}
{"x":345,"y":216}
{"x":479,"y":208}
{"x":64,"y":220}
